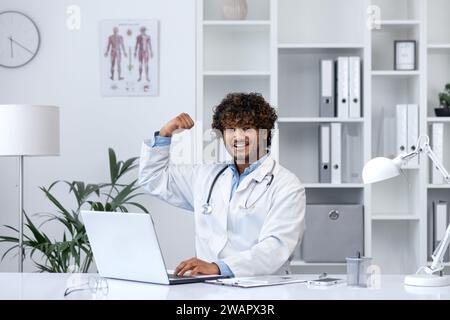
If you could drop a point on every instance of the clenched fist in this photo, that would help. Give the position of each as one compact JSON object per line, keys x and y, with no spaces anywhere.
{"x":182,"y":121}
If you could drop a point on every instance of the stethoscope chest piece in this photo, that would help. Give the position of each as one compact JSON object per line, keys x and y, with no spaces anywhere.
{"x":206,"y":209}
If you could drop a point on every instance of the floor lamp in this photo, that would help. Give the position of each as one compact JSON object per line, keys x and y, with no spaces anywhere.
{"x":28,"y":130}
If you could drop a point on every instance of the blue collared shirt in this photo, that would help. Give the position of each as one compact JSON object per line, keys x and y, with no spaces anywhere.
{"x":158,"y":141}
{"x":237,"y":178}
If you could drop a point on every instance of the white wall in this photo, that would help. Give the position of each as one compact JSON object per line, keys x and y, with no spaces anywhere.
{"x":66,"y":73}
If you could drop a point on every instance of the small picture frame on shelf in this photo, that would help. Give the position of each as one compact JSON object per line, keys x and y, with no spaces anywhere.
{"x":405,"y":55}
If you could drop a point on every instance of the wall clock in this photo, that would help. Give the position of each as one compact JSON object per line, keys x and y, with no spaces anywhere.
{"x":19,"y":39}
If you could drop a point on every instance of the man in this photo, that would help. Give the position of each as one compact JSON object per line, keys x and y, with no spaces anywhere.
{"x":115,"y":44}
{"x":143,"y":50}
{"x":254,"y":217}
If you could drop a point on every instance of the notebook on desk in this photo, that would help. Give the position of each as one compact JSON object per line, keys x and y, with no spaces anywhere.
{"x":258,"y":281}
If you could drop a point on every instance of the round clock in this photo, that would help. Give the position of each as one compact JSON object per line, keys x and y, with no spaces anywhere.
{"x":19,"y":39}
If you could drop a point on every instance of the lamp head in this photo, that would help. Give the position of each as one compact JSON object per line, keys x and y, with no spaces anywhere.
{"x":380,"y":168}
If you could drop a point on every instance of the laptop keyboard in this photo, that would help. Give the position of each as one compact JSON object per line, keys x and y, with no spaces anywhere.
{"x":172,"y":276}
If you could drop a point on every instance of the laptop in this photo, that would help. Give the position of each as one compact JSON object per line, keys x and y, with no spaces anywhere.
{"x":125,"y":246}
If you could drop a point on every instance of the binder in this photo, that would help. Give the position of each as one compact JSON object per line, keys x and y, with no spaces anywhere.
{"x":437,"y":140}
{"x":342,"y":87}
{"x":354,"y":87}
{"x":352,"y":153}
{"x":413,"y":132}
{"x":336,"y":156}
{"x":430,"y":235}
{"x":440,"y":217}
{"x":402,"y":132}
{"x":324,"y":154}
{"x":327,"y":103}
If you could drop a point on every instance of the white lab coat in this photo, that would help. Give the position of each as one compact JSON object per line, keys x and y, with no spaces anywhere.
{"x":255,"y":241}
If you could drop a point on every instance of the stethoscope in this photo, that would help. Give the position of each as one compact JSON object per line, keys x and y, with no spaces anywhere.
{"x":207,"y":208}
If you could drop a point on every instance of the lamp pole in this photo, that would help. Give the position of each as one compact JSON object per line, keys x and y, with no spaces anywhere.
{"x":21,"y":213}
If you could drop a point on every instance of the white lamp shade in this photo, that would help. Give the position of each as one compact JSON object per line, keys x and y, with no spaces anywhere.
{"x":379,"y":169}
{"x":29,"y":130}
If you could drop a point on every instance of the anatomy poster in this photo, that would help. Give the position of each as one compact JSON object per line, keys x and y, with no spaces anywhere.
{"x":129,"y":57}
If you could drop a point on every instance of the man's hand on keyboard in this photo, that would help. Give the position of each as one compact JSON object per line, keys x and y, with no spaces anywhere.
{"x":196,"y":266}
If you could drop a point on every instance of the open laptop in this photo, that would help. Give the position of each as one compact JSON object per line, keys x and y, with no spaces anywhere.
{"x":125,"y":246}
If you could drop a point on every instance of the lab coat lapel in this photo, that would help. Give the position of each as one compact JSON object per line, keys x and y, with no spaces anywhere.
{"x":224,"y":185}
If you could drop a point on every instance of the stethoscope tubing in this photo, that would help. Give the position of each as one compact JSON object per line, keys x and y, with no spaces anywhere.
{"x":207,"y":206}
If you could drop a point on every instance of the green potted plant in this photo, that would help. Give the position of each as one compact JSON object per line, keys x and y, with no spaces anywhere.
{"x":444,"y":102}
{"x":72,"y":252}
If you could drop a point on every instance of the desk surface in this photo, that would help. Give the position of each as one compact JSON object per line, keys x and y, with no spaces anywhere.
{"x":53,"y":286}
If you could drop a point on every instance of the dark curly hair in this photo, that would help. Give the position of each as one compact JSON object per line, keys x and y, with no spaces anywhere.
{"x":244,"y":110}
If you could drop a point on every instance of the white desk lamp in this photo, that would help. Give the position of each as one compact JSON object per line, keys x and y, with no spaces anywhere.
{"x":379,"y":169}
{"x":27,"y":130}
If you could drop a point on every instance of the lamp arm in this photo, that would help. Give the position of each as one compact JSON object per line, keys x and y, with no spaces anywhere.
{"x":438,"y":254}
{"x":437,"y":163}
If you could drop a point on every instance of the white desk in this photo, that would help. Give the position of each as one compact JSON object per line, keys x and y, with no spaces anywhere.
{"x":52,"y":286}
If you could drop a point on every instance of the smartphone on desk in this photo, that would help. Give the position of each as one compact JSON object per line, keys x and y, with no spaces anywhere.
{"x":325,"y":282}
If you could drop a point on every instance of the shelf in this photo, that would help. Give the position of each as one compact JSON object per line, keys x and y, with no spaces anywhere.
{"x":236,"y":23}
{"x":299,"y":78}
{"x":389,"y":73}
{"x":332,"y":185}
{"x":399,"y":23}
{"x":318,"y":120}
{"x":320,"y":46}
{"x":438,"y":119}
{"x":394,"y":217}
{"x":236,"y":73}
{"x":439,"y":186}
{"x":317,"y":264}
{"x":439,"y":47}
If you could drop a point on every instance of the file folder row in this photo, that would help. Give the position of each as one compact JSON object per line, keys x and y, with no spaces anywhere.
{"x":340,"y":87}
{"x":330,"y":170}
{"x":408,"y":131}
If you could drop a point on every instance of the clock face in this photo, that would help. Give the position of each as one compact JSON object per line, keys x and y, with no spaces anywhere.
{"x":19,"y":39}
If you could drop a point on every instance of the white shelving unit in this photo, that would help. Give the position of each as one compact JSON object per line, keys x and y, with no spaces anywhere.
{"x":276,"y":51}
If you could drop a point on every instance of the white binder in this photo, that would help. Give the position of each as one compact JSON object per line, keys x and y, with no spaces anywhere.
{"x":324,"y":154}
{"x":437,"y":140}
{"x":402,"y":129}
{"x":440,"y":215}
{"x":413,"y":132}
{"x":327,"y":103}
{"x":336,"y":156}
{"x":342,"y":87}
{"x":354,"y":87}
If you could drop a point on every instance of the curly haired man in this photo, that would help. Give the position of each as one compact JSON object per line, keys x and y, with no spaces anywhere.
{"x":249,"y":213}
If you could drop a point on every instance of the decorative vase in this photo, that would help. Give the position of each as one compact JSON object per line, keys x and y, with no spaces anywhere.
{"x":234,"y":9}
